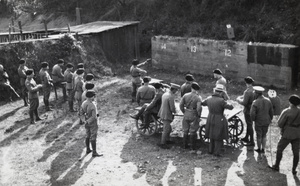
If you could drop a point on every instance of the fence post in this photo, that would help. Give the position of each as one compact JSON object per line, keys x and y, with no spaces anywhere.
{"x":78,"y":17}
{"x":9,"y":36}
{"x":20,"y":27}
{"x":13,"y":24}
{"x":69,"y":29}
{"x":46,"y":30}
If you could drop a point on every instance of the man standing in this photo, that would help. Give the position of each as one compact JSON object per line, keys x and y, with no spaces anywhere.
{"x":246,"y":100}
{"x":145,"y":93}
{"x":91,"y":122}
{"x":289,"y":123}
{"x":4,"y":82}
{"x":221,"y":80}
{"x":58,"y":77}
{"x":22,"y":74}
{"x":68,"y":78}
{"x":136,"y":74}
{"x":186,"y":87}
{"x":166,"y":114}
{"x":216,"y":128}
{"x":78,"y":87}
{"x":33,"y":89}
{"x":47,"y":84}
{"x":190,"y":106}
{"x":261,"y":113}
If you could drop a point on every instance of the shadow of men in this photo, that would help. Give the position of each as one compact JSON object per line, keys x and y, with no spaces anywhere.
{"x":177,"y":166}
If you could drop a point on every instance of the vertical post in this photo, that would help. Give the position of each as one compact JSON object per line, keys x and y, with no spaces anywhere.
{"x":13,"y":24}
{"x":20,"y":27}
{"x":46,"y":30}
{"x":78,"y":18}
{"x":69,"y":29}
{"x":9,"y":36}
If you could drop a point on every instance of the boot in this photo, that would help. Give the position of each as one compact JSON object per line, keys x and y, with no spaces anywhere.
{"x":31,"y":117}
{"x":95,"y":154}
{"x":37,"y":118}
{"x":87,"y":143}
{"x":25,"y":101}
{"x":47,"y":105}
{"x":185,"y":141}
{"x":71,"y":107}
{"x":193,"y":138}
{"x":295,"y":164}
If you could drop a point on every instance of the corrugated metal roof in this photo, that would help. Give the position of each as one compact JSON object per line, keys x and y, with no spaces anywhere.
{"x":98,"y":26}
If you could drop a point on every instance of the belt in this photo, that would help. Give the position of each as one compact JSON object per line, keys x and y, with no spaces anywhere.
{"x":136,"y":76}
{"x":192,"y":109}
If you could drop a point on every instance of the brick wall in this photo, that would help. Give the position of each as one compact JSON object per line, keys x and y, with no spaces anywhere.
{"x":268,"y":64}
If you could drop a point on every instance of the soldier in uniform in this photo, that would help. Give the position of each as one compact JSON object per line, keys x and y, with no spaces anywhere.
{"x":153,"y":107}
{"x":68,"y":77}
{"x":4,"y":82}
{"x":246,"y":100}
{"x":88,"y":79}
{"x":22,"y":74}
{"x":216,"y":128}
{"x":47,"y":84}
{"x":186,"y":87}
{"x":261,"y":113}
{"x":136,"y":74}
{"x":89,"y":111}
{"x":33,"y":89}
{"x":289,"y":123}
{"x":221,"y":80}
{"x":145,"y":93}
{"x":58,"y":77}
{"x":190,"y":106}
{"x":166,"y":114}
{"x":78,"y":87}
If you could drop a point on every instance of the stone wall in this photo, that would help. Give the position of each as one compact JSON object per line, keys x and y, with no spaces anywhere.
{"x":268,"y":64}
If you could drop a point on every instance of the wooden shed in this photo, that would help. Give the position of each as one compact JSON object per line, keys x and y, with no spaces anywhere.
{"x":119,"y":40}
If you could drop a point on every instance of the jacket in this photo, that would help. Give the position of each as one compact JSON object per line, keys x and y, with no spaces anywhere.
{"x":167,"y":108}
{"x":261,"y":111}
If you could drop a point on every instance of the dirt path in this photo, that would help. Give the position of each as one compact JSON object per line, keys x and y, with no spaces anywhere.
{"x":52,"y":152}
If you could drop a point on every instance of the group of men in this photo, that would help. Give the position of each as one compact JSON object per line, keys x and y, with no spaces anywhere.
{"x":258,"y":111}
{"x":74,"y":89}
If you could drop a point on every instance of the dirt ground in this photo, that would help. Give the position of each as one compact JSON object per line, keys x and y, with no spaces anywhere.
{"x":52,"y":151}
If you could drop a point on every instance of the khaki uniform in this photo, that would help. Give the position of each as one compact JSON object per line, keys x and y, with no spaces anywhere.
{"x":136,"y":74}
{"x":186,"y":88}
{"x":166,"y":114}
{"x":22,"y":75}
{"x":68,"y":78}
{"x":290,"y":117}
{"x":58,"y":78}
{"x":145,"y":94}
{"x":47,"y":84}
{"x":190,"y":105}
{"x":32,"y":96}
{"x":78,"y":90}
{"x":89,"y":109}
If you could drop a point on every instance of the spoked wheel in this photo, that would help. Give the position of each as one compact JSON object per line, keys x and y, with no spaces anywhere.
{"x":202,"y":134}
{"x":235,"y":126}
{"x":146,"y":130}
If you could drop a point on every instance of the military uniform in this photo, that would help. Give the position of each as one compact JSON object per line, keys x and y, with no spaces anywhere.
{"x":89,"y":110}
{"x":190,"y":105}
{"x":261,"y":113}
{"x":22,"y":74}
{"x":246,"y":101}
{"x":165,"y":113}
{"x":145,"y":94}
{"x":33,"y":89}
{"x":216,"y":128}
{"x":289,"y":123}
{"x":68,"y":78}
{"x":58,"y":78}
{"x":47,"y":84}
{"x":186,"y":88}
{"x":136,"y":74}
{"x":78,"y":89}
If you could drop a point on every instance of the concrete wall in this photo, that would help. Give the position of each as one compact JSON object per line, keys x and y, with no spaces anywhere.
{"x":268,"y":64}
